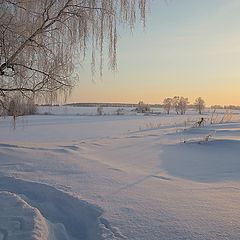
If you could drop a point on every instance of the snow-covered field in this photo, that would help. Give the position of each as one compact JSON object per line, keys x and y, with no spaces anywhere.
{"x":73,"y":175}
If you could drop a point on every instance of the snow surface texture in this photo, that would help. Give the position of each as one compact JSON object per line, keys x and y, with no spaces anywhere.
{"x":119,"y":177}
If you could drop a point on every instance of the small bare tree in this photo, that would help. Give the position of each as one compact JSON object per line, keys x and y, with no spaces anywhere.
{"x":40,"y":41}
{"x":142,"y":107}
{"x":18,"y":106}
{"x":199,"y":105}
{"x":167,"y":104}
{"x":15,"y":106}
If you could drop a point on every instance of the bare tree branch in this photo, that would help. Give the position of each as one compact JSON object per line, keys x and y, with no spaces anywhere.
{"x":41,"y":40}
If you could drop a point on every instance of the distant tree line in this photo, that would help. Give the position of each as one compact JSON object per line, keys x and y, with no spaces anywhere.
{"x":96,"y":104}
{"x":232,"y":107}
{"x":181,"y":104}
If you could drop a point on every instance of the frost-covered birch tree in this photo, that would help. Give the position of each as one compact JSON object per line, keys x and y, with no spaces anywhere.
{"x":41,"y":39}
{"x":175,"y":103}
{"x":199,"y":104}
{"x":167,"y":104}
{"x":182,"y":105}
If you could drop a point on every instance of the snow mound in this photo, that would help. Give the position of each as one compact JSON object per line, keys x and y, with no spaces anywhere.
{"x":209,"y":161}
{"x":38,"y":211}
{"x":19,"y":220}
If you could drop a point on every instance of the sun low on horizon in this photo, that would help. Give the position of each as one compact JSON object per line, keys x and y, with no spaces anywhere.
{"x":188,"y":48}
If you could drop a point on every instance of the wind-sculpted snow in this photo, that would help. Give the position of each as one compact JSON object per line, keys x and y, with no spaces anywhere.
{"x":38,"y":211}
{"x":205,"y":159}
{"x":199,"y":161}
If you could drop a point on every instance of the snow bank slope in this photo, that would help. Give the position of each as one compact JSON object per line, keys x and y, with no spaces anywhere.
{"x":67,"y":216}
{"x":19,"y":220}
{"x":198,"y":159}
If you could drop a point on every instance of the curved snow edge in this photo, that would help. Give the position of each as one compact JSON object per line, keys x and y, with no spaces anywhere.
{"x":19,"y":220}
{"x":58,"y":214}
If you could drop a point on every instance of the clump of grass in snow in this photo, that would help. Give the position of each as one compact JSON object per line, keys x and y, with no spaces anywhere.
{"x":202,"y":139}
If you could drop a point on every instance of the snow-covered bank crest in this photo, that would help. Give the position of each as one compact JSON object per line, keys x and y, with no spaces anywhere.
{"x":19,"y":220}
{"x":41,"y":212}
